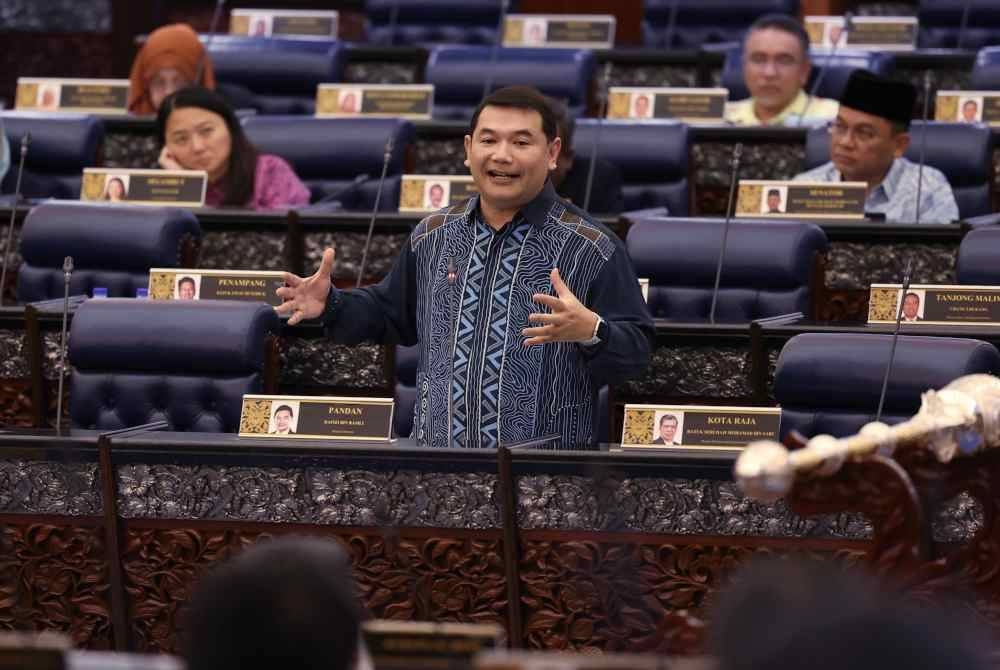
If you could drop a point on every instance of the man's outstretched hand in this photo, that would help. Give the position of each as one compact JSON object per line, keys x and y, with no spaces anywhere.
{"x":306,"y":298}
{"x":569,"y":320}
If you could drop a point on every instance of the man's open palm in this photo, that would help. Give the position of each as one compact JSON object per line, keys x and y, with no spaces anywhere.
{"x":306,"y":298}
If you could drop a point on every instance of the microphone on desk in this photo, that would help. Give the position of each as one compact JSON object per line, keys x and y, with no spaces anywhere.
{"x":25,"y":144}
{"x":845,"y":35}
{"x":378,"y":199}
{"x":495,"y":51}
{"x":737,"y":155}
{"x":596,"y":145}
{"x":923,"y":140}
{"x":216,"y":16}
{"x":67,"y":275}
{"x":393,"y":20}
{"x":963,"y":24}
{"x":895,"y":338}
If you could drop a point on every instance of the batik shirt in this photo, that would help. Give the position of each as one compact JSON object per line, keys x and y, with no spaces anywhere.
{"x":463,"y":291}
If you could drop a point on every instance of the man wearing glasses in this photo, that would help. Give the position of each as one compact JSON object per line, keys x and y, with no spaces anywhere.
{"x":867,"y":142}
{"x":776,"y":68}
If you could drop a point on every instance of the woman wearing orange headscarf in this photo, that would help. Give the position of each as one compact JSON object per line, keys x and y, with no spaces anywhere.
{"x":167,"y":62}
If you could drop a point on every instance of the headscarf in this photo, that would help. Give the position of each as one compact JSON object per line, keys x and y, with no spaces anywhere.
{"x":174,"y":46}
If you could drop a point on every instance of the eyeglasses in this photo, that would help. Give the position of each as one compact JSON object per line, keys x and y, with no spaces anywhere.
{"x":862,"y":134}
{"x":781,"y":61}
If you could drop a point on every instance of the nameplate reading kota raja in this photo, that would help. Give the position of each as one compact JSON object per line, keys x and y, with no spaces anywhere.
{"x":701,"y":427}
{"x":883,"y":33}
{"x":968,"y":106}
{"x":411,"y":101}
{"x":194,"y":284}
{"x":706,"y":105}
{"x":424,"y":193}
{"x":584,"y":31}
{"x":935,"y":304}
{"x":100,"y":96}
{"x":317,"y":418}
{"x":410,"y":645}
{"x":283,"y":23}
{"x":144,"y":187}
{"x":800,"y":199}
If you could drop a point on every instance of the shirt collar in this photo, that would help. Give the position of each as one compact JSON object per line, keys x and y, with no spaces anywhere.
{"x":535,"y":212}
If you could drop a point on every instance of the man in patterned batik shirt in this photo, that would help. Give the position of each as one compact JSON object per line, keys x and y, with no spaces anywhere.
{"x":523,"y":307}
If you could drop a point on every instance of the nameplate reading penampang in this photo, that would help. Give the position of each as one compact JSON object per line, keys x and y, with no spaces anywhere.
{"x":283,"y":23}
{"x":425,"y":193}
{"x":578,"y":31}
{"x":317,"y":418}
{"x":968,"y":107}
{"x":196,"y":284}
{"x":413,"y":645}
{"x":872,"y":33}
{"x":698,"y":427}
{"x":704,"y":105}
{"x":935,"y":304}
{"x":410,"y":101}
{"x":93,"y":96}
{"x":185,"y":188}
{"x":761,"y":199}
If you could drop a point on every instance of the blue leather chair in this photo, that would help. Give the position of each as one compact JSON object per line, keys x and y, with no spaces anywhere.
{"x":830,"y":382}
{"x":459,"y":74}
{"x":838,"y":69}
{"x":768,"y":268}
{"x":61,"y":147}
{"x":986,"y":70}
{"x":331,"y":156}
{"x":962,"y":151}
{"x":275,"y":75}
{"x":653,"y":159}
{"x":941,"y":20}
{"x":186,"y":362}
{"x":699,"y":22}
{"x":112,"y":247}
{"x":432,"y":21}
{"x":977,"y":257}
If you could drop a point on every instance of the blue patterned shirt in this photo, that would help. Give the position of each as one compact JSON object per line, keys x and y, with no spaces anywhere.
{"x":896,"y":196}
{"x":477,"y":384}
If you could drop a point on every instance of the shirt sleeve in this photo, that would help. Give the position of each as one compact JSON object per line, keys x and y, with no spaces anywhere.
{"x":277,"y":185}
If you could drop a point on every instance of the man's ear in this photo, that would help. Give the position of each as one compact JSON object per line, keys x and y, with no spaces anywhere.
{"x":806,"y":71}
{"x":468,"y":144}
{"x":555,"y":146}
{"x":901,"y":142}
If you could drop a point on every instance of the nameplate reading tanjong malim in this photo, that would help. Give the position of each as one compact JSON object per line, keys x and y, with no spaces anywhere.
{"x":423,"y":193}
{"x":935,"y":304}
{"x":192,"y":284}
{"x":411,"y":101}
{"x":99,"y":96}
{"x":283,"y":23}
{"x":412,"y":645}
{"x":317,"y":417}
{"x":882,"y":33}
{"x":801,"y":199}
{"x":705,"y":105}
{"x":584,"y":31}
{"x":698,"y":427}
{"x":144,"y":187}
{"x":968,"y":106}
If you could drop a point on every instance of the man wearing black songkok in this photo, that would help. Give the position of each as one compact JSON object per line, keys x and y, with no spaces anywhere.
{"x":867,"y":142}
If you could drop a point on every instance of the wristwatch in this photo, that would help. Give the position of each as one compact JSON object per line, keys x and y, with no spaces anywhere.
{"x":600,"y":333}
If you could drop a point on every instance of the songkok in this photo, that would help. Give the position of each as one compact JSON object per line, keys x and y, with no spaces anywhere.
{"x":869,"y":93}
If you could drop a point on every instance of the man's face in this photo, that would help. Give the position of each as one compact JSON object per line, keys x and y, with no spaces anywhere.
{"x":969,"y":111}
{"x":509,"y":156}
{"x":282,"y":420}
{"x":186,"y":290}
{"x":436,"y":195}
{"x":774,"y":67}
{"x":911,"y":305}
{"x":641,"y":106}
{"x":668,"y":428}
{"x":773,"y":202}
{"x":863,"y":146}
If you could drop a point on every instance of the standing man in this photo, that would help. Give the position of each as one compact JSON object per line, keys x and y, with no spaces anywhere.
{"x":522,"y":306}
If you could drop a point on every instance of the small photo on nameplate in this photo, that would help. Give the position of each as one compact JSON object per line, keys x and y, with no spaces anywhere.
{"x":934,"y":305}
{"x":698,"y":426}
{"x":426,"y":193}
{"x":408,"y":101}
{"x":283,"y":23}
{"x":317,"y":417}
{"x":801,"y":199}
{"x":90,"y":96}
{"x":577,"y":31}
{"x":871,"y":33}
{"x":691,"y":105}
{"x":197,"y":284}
{"x":410,"y":645}
{"x":184,"y":188}
{"x":968,"y":107}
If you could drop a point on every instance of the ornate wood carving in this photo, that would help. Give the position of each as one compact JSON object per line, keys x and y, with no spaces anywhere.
{"x":15,"y":403}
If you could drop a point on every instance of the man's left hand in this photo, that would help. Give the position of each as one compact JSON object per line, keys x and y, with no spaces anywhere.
{"x":569,"y":321}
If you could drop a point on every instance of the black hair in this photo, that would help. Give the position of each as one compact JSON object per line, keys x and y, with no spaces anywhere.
{"x":668,"y":416}
{"x":773,"y":191}
{"x":284,"y":407}
{"x":565,"y":125}
{"x":519,"y":97}
{"x":913,"y":294}
{"x":107,"y":187}
{"x":286,"y":603}
{"x":238,"y":183}
{"x":187,"y":280}
{"x":784,"y":23}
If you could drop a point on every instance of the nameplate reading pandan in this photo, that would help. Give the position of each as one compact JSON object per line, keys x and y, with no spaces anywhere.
{"x":412,"y":645}
{"x":96,"y":96}
{"x":283,"y":23}
{"x":185,"y":188}
{"x":935,"y":304}
{"x":411,"y":101}
{"x":705,"y":105}
{"x":644,"y":287}
{"x":192,"y":284}
{"x":584,"y":31}
{"x":801,"y":199}
{"x":882,"y":33}
{"x":968,"y":106}
{"x":698,"y":427}
{"x":423,"y":193}
{"x":317,"y":418}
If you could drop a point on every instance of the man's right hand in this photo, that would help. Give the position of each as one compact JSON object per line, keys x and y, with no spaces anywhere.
{"x":306,"y":298}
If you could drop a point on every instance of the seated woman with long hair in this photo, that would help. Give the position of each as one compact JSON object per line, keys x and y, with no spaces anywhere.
{"x":199,"y":131}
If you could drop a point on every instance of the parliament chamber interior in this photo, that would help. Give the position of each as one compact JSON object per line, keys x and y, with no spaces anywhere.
{"x":654,"y":334}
